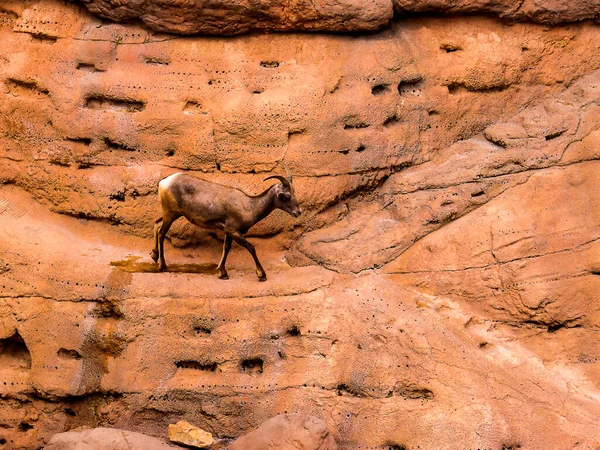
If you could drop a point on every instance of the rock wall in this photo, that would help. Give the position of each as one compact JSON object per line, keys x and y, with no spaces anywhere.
{"x":438,"y":292}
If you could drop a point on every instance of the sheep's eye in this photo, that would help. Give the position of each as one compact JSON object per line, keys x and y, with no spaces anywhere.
{"x":284,"y":196}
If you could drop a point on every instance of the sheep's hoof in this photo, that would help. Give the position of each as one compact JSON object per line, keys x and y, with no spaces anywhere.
{"x":154,"y":255}
{"x":263,"y":278}
{"x":223,"y":276}
{"x":162,"y":267}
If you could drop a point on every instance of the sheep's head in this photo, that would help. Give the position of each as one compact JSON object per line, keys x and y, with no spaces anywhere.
{"x":284,"y":195}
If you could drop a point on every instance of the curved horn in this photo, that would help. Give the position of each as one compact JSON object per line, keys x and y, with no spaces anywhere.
{"x":288,"y":174}
{"x":283,"y":179}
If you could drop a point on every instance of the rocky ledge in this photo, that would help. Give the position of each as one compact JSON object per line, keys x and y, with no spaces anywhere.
{"x":232,"y":17}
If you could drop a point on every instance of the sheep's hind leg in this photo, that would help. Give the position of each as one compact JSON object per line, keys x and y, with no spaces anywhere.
{"x":162,"y":233}
{"x":221,"y":267}
{"x":154,"y":252}
{"x":260,"y":272}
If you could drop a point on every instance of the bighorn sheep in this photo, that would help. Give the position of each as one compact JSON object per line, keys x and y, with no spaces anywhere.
{"x":217,"y":207}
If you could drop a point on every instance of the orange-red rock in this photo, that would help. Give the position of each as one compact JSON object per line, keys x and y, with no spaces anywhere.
{"x":438,"y":292}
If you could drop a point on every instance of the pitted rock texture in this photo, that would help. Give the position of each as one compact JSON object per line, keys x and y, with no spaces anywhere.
{"x":440,"y":290}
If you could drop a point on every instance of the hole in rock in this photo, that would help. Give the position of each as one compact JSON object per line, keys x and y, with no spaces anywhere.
{"x":294,"y":132}
{"x":450,"y":48}
{"x":15,"y":85}
{"x":395,"y":447}
{"x":84,"y":141}
{"x":410,"y":86}
{"x":344,"y":389}
{"x":44,"y":38}
{"x":554,"y":135}
{"x":453,"y":88}
{"x":456,"y":87}
{"x":113,"y":103}
{"x":2,"y":441}
{"x":253,"y":366}
{"x":72,"y":354}
{"x":554,"y":327}
{"x":24,"y":426}
{"x":118,"y":196}
{"x":294,"y":331}
{"x":392,"y":120}
{"x":355,"y":125}
{"x":107,"y":310}
{"x":154,"y":61}
{"x":269,"y":64}
{"x":477,"y":193}
{"x":195,"y":365}
{"x":415,"y":393}
{"x":14,"y":353}
{"x":202,"y":330}
{"x":193,"y":107}
{"x":87,"y":67}
{"x":114,"y":145}
{"x":380,"y":89}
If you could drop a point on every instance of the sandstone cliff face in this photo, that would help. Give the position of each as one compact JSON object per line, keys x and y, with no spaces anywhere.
{"x":440,"y":290}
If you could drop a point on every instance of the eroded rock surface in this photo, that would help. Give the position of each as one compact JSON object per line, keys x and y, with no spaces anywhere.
{"x":440,"y":290}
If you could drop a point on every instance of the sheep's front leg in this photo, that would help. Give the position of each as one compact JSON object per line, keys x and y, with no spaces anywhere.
{"x":221,"y":267}
{"x":162,"y":233}
{"x":260,"y":272}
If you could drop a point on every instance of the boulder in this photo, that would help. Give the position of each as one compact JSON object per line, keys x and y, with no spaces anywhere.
{"x":288,"y":432}
{"x":185,"y":433}
{"x":105,"y":439}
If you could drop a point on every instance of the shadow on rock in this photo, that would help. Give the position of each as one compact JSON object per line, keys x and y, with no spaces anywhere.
{"x":130,"y":264}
